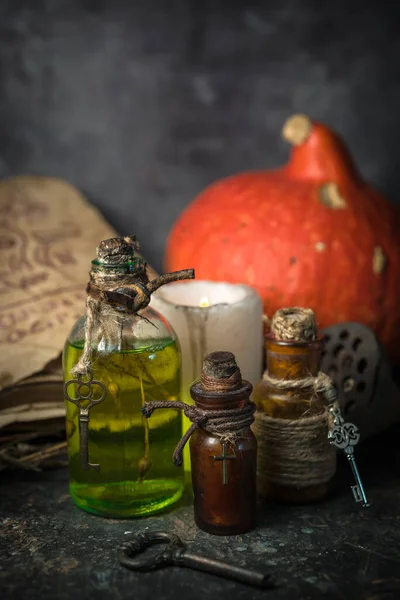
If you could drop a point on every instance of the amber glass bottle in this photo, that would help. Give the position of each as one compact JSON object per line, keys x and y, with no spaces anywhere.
{"x":223,"y":474}
{"x":290,"y":360}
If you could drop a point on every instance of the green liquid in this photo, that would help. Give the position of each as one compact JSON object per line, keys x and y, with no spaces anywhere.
{"x":121,"y":440}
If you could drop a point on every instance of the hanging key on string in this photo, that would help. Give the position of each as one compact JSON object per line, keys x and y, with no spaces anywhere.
{"x":85,"y":401}
{"x":345,"y":436}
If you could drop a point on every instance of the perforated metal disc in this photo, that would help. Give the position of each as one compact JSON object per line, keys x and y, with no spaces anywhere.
{"x":351,"y":358}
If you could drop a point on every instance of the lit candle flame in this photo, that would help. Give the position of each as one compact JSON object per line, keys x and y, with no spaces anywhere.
{"x":204,"y":302}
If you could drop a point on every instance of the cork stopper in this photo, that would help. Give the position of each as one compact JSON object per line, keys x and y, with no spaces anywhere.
{"x":115,"y":251}
{"x":220,"y":373}
{"x":294,"y":324}
{"x":120,"y":252}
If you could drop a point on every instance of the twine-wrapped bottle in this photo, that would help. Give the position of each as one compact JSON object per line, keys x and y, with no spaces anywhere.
{"x":295,"y":459}
{"x":223,"y":448}
{"x":118,"y":356}
{"x":224,"y":465}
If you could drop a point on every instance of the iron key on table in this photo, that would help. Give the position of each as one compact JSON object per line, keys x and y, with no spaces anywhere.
{"x":176,"y":554}
{"x":84,"y":413}
{"x":345,"y":436}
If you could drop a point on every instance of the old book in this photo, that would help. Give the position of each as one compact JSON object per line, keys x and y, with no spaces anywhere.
{"x":38,"y":397}
{"x":48,"y":236}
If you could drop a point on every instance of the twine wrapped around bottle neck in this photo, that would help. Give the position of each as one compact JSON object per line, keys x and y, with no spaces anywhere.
{"x":225,"y":424}
{"x":119,"y":285}
{"x":220,"y":376}
{"x":298,"y":324}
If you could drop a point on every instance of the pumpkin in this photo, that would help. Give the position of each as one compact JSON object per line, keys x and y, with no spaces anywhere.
{"x":311,"y":233}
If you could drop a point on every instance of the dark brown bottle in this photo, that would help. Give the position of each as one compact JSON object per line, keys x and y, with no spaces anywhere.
{"x":223,"y":469}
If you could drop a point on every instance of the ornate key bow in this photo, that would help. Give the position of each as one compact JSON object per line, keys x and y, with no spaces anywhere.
{"x":84,"y":416}
{"x":345,"y":436}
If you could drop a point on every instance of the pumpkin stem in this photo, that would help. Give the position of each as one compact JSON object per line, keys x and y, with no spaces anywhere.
{"x":318,"y":154}
{"x":296,"y":129}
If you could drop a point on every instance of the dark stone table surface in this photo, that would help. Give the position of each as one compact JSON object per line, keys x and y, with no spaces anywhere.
{"x":334,"y":549}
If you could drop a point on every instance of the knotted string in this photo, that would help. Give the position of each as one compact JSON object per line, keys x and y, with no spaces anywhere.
{"x":221,"y":385}
{"x":320,"y":384}
{"x":298,"y":324}
{"x":224,"y":423}
{"x":103,"y":322}
{"x":119,"y":285}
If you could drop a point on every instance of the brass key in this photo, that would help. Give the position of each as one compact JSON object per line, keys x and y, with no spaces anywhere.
{"x":345,"y":436}
{"x":84,"y":416}
{"x":175,"y":553}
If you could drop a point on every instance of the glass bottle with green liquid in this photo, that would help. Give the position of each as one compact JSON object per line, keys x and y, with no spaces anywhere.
{"x":118,"y":356}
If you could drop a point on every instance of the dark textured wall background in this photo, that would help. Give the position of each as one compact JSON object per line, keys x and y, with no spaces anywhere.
{"x":142,"y":104}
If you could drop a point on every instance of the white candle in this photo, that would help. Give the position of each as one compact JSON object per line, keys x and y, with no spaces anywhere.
{"x":209,"y":316}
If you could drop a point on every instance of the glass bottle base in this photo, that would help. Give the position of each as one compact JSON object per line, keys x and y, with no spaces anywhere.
{"x":221,"y":530}
{"x":127,"y":499}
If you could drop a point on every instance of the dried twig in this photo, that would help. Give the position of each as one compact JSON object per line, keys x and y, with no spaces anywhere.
{"x":16,"y":456}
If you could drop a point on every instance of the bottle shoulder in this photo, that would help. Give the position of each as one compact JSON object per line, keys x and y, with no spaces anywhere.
{"x":210,"y":443}
{"x":146,"y":329}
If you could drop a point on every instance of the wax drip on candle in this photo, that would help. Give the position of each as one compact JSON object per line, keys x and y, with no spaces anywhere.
{"x":204,"y":302}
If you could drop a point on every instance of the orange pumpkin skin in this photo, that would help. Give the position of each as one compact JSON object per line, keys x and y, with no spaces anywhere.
{"x":282,"y":233}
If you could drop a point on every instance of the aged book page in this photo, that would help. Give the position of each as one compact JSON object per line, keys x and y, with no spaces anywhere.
{"x":48,"y":236}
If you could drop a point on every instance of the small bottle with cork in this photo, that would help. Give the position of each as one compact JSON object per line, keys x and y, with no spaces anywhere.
{"x":223,"y":448}
{"x":295,"y":459}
